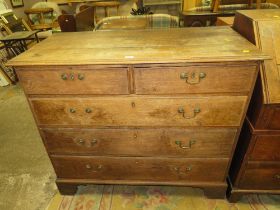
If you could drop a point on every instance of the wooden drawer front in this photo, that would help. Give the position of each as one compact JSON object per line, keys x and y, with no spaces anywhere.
{"x":261,"y":175}
{"x":200,"y":79}
{"x":268,"y":118}
{"x":67,"y":81}
{"x":267,"y":147}
{"x":141,"y":142}
{"x":275,"y":122}
{"x":122,"y":168}
{"x":140,"y":111}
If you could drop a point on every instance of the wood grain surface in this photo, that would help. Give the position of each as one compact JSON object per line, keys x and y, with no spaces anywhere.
{"x":157,"y":142}
{"x":124,"y":168}
{"x":140,"y":111}
{"x":141,"y":46}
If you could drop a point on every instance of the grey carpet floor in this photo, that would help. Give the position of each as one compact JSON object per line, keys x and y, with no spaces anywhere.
{"x":26,"y":174}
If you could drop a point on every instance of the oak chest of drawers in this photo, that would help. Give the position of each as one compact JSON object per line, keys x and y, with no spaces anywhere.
{"x":256,"y":164}
{"x":141,"y":107}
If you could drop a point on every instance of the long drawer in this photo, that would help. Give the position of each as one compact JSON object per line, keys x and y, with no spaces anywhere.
{"x":145,"y":169}
{"x":140,"y":111}
{"x":261,"y":175}
{"x":191,"y":143}
{"x":75,"y":80}
{"x":267,"y":147}
{"x":194,"y":79}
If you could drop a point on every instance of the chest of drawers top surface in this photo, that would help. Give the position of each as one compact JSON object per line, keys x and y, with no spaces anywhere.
{"x":149,"y":46}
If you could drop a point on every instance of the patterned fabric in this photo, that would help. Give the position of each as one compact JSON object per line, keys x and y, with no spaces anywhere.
{"x":235,"y":7}
{"x":154,"y":21}
{"x":121,"y":197}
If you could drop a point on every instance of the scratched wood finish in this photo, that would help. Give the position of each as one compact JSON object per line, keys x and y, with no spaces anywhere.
{"x":140,"y":111}
{"x":260,"y":136}
{"x":75,"y":80}
{"x":153,"y":46}
{"x":200,"y":79}
{"x":150,"y":169}
{"x":191,"y":143}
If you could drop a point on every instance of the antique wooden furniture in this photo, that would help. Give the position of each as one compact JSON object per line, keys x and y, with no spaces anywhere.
{"x":205,"y":18}
{"x":11,"y":23}
{"x":82,"y":21}
{"x":256,"y":163}
{"x":119,"y":108}
{"x":41,"y":14}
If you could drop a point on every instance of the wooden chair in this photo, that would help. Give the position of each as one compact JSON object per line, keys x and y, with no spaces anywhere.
{"x":41,"y":14}
{"x":10,"y":23}
{"x":105,"y":5}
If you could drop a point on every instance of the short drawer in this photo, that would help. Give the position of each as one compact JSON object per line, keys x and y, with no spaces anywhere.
{"x":191,"y":143}
{"x":194,"y":79}
{"x":74,"y":80}
{"x":267,"y":147}
{"x":144,"y":169}
{"x":140,"y":111}
{"x":261,"y":175}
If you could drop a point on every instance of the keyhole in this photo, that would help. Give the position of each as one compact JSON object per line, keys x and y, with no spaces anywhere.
{"x":132,"y":104}
{"x":193,"y":75}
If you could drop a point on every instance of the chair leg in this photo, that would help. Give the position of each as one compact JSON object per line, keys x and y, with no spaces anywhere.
{"x":215,"y":5}
{"x":259,"y":4}
{"x":106,"y":12}
{"x":250,"y":2}
{"x":117,"y":10}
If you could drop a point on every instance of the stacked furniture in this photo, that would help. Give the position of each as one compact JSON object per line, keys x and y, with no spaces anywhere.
{"x":124,"y":108}
{"x":256,"y":164}
{"x":204,"y":16}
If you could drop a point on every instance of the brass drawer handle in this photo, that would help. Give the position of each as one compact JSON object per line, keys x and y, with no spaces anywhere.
{"x":189,"y":146}
{"x":81,"y":76}
{"x":89,"y":144}
{"x":88,"y":110}
{"x":94,"y":168}
{"x":72,"y":110}
{"x":277,"y":176}
{"x":64,"y":76}
{"x":81,"y":141}
{"x":181,"y":110}
{"x":93,"y":142}
{"x":186,"y":170}
{"x":194,"y":78}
